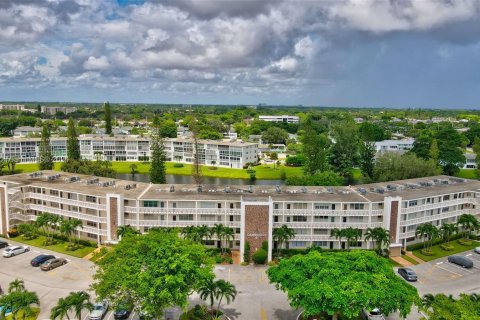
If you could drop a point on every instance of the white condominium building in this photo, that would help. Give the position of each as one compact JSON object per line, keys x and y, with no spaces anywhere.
{"x":253,"y":212}
{"x":284,"y":118}
{"x":135,"y":148}
{"x":16,"y":107}
{"x":401,"y":146}
{"x":53,"y":110}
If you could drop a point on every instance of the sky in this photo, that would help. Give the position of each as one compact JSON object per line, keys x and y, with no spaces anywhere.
{"x":356,"y":53}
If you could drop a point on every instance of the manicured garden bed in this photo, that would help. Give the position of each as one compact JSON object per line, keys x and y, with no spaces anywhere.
{"x":438,"y":252}
{"x":59,"y":247}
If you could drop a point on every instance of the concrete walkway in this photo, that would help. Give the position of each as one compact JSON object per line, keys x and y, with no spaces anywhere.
{"x":402,"y":262}
{"x":414,"y":257}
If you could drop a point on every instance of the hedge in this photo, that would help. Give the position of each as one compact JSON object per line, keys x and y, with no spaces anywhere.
{"x":418,"y":246}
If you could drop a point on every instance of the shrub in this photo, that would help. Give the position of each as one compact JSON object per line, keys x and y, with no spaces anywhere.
{"x":427,"y":252}
{"x":265,"y":245}
{"x":178,"y":165}
{"x":260,"y":256}
{"x":49,"y":242}
{"x":447,"y":247}
{"x":283,"y":175}
{"x":72,"y":247}
{"x":272,"y":263}
{"x":12,"y":233}
{"x":244,"y":263}
{"x":418,"y":246}
{"x":246,"y":252}
{"x":251,"y":171}
{"x":218,"y":259}
{"x":465,"y":242}
{"x":253,"y":177}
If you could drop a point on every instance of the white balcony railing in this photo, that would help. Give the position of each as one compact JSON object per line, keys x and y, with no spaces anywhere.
{"x":92,"y":230}
{"x":165,"y":223}
{"x":67,"y":213}
{"x":328,"y":225}
{"x":437,"y":205}
{"x":154,"y":210}
{"x":338,"y":213}
{"x":83,"y":204}
{"x":436,"y":217}
{"x":22,"y":217}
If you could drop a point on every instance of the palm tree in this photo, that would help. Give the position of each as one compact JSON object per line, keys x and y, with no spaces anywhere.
{"x":75,"y":223}
{"x":282,"y":235}
{"x":422,"y":232}
{"x":43,"y":222}
{"x":11,"y":163}
{"x":79,"y":301}
{"x":53,"y":223}
{"x":427,"y":300}
{"x":188,"y":232}
{"x":61,"y":309}
{"x":352,"y":235}
{"x":16,"y":285}
{"x":228,"y":235}
{"x":433,"y":233}
{"x":468,"y":223}
{"x":25,"y":301}
{"x":338,"y":234}
{"x":225,"y":290}
{"x":448,"y":229}
{"x":124,"y":230}
{"x":370,"y":235}
{"x":218,"y":230}
{"x":66,"y":228}
{"x":208,"y":291}
{"x":203,"y":232}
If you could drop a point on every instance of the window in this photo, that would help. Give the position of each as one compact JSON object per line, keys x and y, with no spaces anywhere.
{"x":320,"y":232}
{"x":297,"y":244}
{"x":321,"y":243}
{"x":356,"y":206}
{"x":91,"y":199}
{"x":185,"y":217}
{"x":54,"y":193}
{"x":412,"y":203}
{"x":322,"y":206}
{"x":445,"y":209}
{"x":299,"y":219}
{"x":91,"y":224}
{"x":299,"y":206}
{"x":275,"y":206}
{"x":91,"y":235}
{"x":321,"y":218}
{"x":275,"y":218}
{"x":150,"y":204}
{"x":174,"y":205}
{"x":446,"y":197}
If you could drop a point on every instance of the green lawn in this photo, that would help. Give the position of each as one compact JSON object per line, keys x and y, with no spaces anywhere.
{"x":59,"y":247}
{"x":394,"y":263}
{"x":439,"y":252}
{"x":35,"y":312}
{"x":262,"y":172}
{"x":409,"y":259}
{"x":467,"y":174}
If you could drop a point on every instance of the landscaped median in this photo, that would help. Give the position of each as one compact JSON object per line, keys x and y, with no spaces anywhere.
{"x":438,"y":252}
{"x":60,"y":246}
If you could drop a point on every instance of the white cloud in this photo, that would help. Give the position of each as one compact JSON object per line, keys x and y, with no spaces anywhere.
{"x":93,"y":63}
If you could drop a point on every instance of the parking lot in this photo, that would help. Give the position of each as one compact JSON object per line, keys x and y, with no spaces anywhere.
{"x":441,"y":276}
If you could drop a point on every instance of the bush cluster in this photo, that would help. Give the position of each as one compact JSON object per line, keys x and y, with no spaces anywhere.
{"x":260,"y":256}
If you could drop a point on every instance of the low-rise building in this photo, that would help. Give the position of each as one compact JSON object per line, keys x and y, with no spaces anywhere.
{"x":230,"y":154}
{"x":283,"y":118}
{"x":253,"y":212}
{"x":54,"y":110}
{"x":27,"y":131}
{"x":401,"y":146}
{"x":16,"y":107}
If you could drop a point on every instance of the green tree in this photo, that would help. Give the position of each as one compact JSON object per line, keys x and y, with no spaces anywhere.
{"x":228,"y":235}
{"x":157,"y":160}
{"x":79,"y":301}
{"x":168,"y":129}
{"x":434,"y":153}
{"x":421,"y":145}
{"x":11,"y":163}
{"x":440,"y":307}
{"x":447,"y":230}
{"x":367,"y":158}
{"x":338,"y":234}
{"x":274,"y":135}
{"x":217,"y":290}
{"x":326,"y":178}
{"x":45,"y":159}
{"x":372,"y":132}
{"x":18,"y":300}
{"x":225,"y":290}
{"x":108,"y":117}
{"x":381,"y":237}
{"x":282,"y":235}
{"x":468,"y":223}
{"x":123,"y":231}
{"x":73,"y":147}
{"x":133,"y":168}
{"x":157,"y":270}
{"x":16,"y":285}
{"x":352,"y":235}
{"x":208,"y":291}
{"x":218,"y":231}
{"x":476,"y":149}
{"x":344,"y":152}
{"x":427,"y":232}
{"x":342,"y":283}
{"x":61,"y":309}
{"x":393,"y":166}
{"x":315,"y":151}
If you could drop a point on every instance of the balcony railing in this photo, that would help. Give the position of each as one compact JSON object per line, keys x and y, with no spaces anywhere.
{"x":92,"y":230}
{"x":22,"y":217}
{"x":158,"y":210}
{"x":328,"y":225}
{"x":437,"y":217}
{"x":66,"y":213}
{"x":165,"y":223}
{"x":437,"y":205}
{"x":83,"y":204}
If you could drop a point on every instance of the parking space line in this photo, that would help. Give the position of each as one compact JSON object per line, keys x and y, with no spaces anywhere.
{"x":438,"y":266}
{"x":461,"y":268}
{"x":263,"y":314}
{"x":111,"y":314}
{"x":132,"y":315}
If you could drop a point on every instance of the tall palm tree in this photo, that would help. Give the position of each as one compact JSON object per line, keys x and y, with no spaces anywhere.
{"x":80,"y":301}
{"x":225,"y":290}
{"x":61,"y":309}
{"x":208,"y":291}
{"x":75,"y":223}
{"x":228,"y":235}
{"x":427,"y":300}
{"x":468,"y":223}
{"x":447,"y":230}
{"x":218,"y":231}
{"x":43,"y":222}
{"x":283,"y":235}
{"x":188,"y":232}
{"x":16,"y":285}
{"x":54,"y":222}
{"x":422,"y":232}
{"x":370,"y":235}
{"x":352,"y":235}
{"x":203,"y":233}
{"x":124,"y":230}
{"x":338,"y":234}
{"x":66,"y":228}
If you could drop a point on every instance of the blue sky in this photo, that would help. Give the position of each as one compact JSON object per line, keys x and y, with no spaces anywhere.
{"x":370,"y":53}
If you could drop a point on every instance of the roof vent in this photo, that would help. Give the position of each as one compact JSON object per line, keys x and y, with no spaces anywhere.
{"x":362,"y":191}
{"x":380,"y":190}
{"x":277,"y":188}
{"x":330,"y":190}
{"x":92,"y":181}
{"x":54,"y":177}
{"x":108,"y":183}
{"x":199,"y":188}
{"x":72,"y":179}
{"x":304,"y":190}
{"x":172,"y":188}
{"x":227,"y":189}
{"x":250,"y":189}
{"x":36,"y":174}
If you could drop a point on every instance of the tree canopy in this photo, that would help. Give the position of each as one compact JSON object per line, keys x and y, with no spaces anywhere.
{"x":393,"y":166}
{"x":155,"y":270}
{"x":342,"y":283}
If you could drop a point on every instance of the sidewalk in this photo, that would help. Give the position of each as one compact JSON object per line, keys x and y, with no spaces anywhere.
{"x":402,"y":261}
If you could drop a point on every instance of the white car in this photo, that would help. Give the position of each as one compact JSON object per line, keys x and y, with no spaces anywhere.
{"x":477,"y":249}
{"x":15,"y":250}
{"x":99,"y":310}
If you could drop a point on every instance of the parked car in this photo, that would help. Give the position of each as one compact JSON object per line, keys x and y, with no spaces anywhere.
{"x":3,"y":244}
{"x":53,"y":263}
{"x":122,"y":311}
{"x":99,"y":310}
{"x":461,"y":261}
{"x":408,"y":274}
{"x":38,"y":260}
{"x":477,"y":250}
{"x":375,"y":314}
{"x":8,"y":311}
{"x":15,"y":250}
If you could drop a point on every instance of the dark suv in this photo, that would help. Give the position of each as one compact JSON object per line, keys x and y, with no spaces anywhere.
{"x":3,"y":244}
{"x":461,"y":261}
{"x":408,"y":274}
{"x":38,"y":260}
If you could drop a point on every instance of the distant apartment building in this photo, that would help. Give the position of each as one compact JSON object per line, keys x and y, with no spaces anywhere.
{"x":134,"y":148}
{"x":253,"y":212}
{"x":16,"y":107}
{"x":400,"y":146}
{"x":26,"y":131}
{"x":470,"y":162}
{"x":284,"y":118}
{"x":54,"y":110}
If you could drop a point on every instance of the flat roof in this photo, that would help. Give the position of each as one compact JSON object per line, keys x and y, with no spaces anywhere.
{"x":375,"y":192}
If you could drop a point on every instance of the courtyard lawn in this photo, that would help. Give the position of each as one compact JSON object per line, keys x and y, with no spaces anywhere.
{"x":438,"y":252}
{"x":262,"y":172}
{"x":394,"y":263}
{"x":467,"y":174}
{"x":59,"y":247}
{"x":409,"y":259}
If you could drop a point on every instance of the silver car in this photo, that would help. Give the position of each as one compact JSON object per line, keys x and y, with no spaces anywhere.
{"x":15,"y":250}
{"x":477,"y":249}
{"x":99,"y":310}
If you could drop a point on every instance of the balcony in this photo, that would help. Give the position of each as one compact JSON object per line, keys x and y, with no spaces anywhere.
{"x":336,"y":213}
{"x":78,"y":203}
{"x":437,"y":205}
{"x":66,"y":213}
{"x":212,"y":211}
{"x":328,"y":225}
{"x":92,"y":230}
{"x":166,"y":223}
{"x":22,"y":217}
{"x":437,"y":217}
